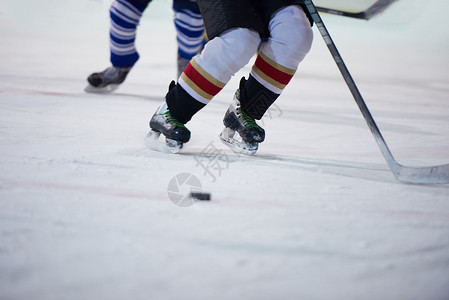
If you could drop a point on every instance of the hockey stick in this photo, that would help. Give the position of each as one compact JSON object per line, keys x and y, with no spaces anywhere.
{"x":367,"y":14}
{"x":420,"y":175}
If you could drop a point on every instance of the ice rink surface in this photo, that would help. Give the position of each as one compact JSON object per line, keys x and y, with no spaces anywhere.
{"x":86,"y":210}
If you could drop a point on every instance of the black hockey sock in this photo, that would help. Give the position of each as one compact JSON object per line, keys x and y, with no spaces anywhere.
{"x":255,"y":99}
{"x":181,"y":105}
{"x":141,"y":4}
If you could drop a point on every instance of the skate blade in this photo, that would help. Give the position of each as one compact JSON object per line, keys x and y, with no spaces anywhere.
{"x":227,"y":138}
{"x":169,"y":146}
{"x":101,"y":90}
{"x":173,"y":146}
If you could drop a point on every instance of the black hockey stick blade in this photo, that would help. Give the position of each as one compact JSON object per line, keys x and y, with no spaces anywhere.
{"x":367,"y":14}
{"x":418,"y":175}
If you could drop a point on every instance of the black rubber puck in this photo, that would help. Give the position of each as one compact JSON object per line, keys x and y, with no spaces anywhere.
{"x":200,"y":196}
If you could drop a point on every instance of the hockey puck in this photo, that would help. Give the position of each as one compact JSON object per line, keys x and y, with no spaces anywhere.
{"x":200,"y":196}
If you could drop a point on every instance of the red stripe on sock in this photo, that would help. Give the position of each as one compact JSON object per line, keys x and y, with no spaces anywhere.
{"x":272,"y":72}
{"x":204,"y":84}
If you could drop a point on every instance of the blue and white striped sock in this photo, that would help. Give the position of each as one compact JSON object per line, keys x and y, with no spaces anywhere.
{"x":189,"y":27}
{"x":125,"y":16}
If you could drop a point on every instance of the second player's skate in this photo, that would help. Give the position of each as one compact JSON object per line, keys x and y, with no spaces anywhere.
{"x":108,"y":80}
{"x":241,"y":132}
{"x":176,"y":134}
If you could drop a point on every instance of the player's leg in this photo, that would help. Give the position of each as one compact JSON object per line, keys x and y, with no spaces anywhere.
{"x":189,"y":31}
{"x":124,"y":18}
{"x":277,"y":60}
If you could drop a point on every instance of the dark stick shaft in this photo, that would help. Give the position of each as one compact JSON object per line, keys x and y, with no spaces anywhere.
{"x":351,"y":84}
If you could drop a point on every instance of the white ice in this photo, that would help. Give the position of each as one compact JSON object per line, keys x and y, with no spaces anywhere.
{"x":315,"y":214}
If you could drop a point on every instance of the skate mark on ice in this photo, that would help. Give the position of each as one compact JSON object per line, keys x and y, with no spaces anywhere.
{"x":348,"y":254}
{"x":88,"y":189}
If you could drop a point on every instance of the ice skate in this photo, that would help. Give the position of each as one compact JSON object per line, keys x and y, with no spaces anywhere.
{"x":176,"y":134}
{"x":107,"y":81}
{"x":241,"y":132}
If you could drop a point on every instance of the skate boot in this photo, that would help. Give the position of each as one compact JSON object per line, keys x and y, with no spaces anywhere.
{"x":176,"y":134}
{"x":108,"y":80}
{"x":249,"y":133}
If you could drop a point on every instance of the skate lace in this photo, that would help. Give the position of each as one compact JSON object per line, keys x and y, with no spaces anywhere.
{"x":247,"y":120}
{"x":172,"y":120}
